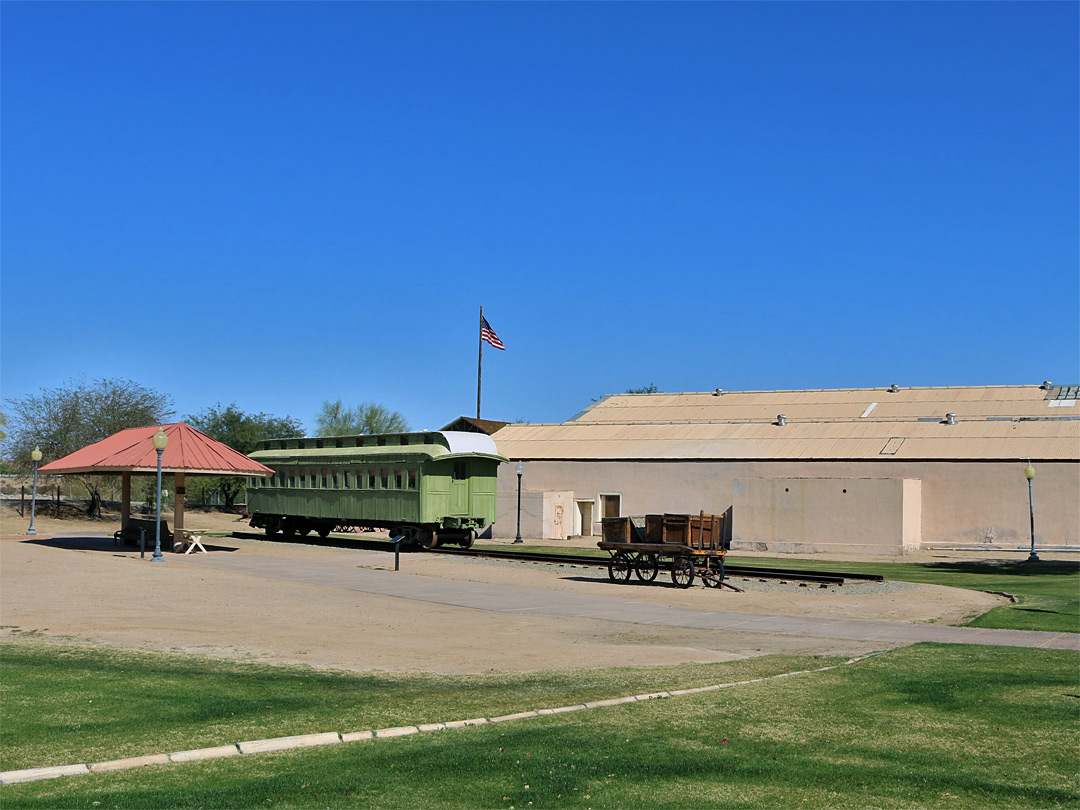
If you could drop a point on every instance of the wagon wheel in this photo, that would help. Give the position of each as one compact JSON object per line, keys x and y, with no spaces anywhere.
{"x":646,"y":567}
{"x":619,"y":567}
{"x":682,"y":572}
{"x":714,"y":577}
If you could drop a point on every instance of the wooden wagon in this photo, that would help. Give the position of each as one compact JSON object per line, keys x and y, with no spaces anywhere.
{"x":694,"y":544}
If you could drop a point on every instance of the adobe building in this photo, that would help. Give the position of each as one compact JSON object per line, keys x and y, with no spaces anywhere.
{"x":856,"y":471}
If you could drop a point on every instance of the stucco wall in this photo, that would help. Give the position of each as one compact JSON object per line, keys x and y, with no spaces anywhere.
{"x":839,"y":515}
{"x":962,"y":502}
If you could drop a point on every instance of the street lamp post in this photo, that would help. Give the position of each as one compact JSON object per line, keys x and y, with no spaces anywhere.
{"x":36,"y":456}
{"x":1029,"y":474}
{"x":520,"y":470}
{"x":160,"y":441}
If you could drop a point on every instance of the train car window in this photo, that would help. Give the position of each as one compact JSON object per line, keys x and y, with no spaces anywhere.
{"x":460,"y":468}
{"x":337,"y":481}
{"x":398,"y":476}
{"x":345,"y":476}
{"x":371,"y":479}
{"x":292,"y":478}
{"x":412,"y":479}
{"x":385,"y":476}
{"x":322,"y":482}
{"x":303,"y":479}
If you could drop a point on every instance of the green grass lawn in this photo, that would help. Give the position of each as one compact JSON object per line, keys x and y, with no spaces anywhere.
{"x":927,"y":726}
{"x":1048,"y":592}
{"x":66,"y":704}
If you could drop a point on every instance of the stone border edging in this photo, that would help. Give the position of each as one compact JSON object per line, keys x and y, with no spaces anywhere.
{"x":334,"y":737}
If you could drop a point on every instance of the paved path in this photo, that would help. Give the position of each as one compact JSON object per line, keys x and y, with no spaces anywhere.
{"x":541,"y":602}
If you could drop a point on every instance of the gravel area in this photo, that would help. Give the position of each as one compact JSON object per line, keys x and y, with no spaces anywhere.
{"x":105,"y":595}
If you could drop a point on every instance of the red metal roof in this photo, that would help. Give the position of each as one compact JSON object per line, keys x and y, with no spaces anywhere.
{"x":132,"y":450}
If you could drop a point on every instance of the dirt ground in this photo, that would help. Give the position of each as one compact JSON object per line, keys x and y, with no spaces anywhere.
{"x":106,"y":595}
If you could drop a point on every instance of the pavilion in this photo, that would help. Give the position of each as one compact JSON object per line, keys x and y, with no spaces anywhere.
{"x":131,"y":452}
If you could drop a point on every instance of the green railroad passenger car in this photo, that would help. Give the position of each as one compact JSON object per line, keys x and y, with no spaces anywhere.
{"x":430,"y":488}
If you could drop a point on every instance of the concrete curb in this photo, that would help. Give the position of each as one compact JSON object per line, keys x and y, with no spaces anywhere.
{"x":286,"y":743}
{"x":400,"y":731}
{"x":34,"y":774}
{"x":204,"y":753}
{"x":129,"y":762}
{"x":333,"y":737}
{"x":518,"y":716}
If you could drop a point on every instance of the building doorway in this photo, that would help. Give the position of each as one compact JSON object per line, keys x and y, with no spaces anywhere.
{"x":585,"y":518}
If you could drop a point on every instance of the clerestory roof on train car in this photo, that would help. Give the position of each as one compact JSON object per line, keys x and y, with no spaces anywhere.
{"x":419,"y":446}
{"x":894,"y":423}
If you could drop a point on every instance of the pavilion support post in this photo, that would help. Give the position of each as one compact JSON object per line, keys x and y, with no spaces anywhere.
{"x":178,"y":511}
{"x":125,"y":499}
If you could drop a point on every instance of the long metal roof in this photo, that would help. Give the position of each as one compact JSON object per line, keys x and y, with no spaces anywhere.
{"x":991,"y":422}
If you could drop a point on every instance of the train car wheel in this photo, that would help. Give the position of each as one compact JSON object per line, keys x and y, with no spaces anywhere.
{"x":619,"y":567}
{"x":324,"y":531}
{"x":427,"y":539}
{"x":468,"y":539}
{"x":682,"y":572}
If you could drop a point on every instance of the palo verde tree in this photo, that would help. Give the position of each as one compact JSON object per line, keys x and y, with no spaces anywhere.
{"x":242,"y":432}
{"x":65,"y":419}
{"x":334,"y":419}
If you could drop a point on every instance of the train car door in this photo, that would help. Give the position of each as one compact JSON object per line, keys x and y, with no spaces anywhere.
{"x":459,"y":489}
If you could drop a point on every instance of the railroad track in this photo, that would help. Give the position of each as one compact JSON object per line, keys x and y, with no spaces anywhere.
{"x":731,"y":570}
{"x":751,"y":572}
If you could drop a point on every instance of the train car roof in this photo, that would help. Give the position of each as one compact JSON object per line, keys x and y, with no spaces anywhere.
{"x":447,"y":444}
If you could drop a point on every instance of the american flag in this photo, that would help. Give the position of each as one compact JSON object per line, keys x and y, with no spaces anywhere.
{"x":488,"y":334}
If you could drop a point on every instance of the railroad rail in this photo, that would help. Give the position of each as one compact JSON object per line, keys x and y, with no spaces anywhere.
{"x":752,"y":572}
{"x":595,"y":560}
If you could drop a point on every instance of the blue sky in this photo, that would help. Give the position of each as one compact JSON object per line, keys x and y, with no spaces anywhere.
{"x":276,"y":204}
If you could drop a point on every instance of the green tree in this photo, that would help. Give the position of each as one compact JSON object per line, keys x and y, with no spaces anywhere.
{"x":334,"y":419}
{"x":79,"y":413}
{"x":242,"y":432}
{"x":645,"y":389}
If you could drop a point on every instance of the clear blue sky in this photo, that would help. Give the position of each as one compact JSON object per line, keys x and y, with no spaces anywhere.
{"x":281,"y":203}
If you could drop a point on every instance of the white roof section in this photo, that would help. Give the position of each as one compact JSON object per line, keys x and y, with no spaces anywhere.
{"x":990,"y":422}
{"x":465,"y":442}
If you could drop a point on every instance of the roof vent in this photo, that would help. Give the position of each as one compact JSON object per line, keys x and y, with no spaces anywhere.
{"x":950,"y":419}
{"x":719,"y":392}
{"x":1047,"y":385}
{"x":781,"y":419}
{"x":894,"y":388}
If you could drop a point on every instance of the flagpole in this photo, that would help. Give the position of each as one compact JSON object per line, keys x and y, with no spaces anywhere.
{"x":480,"y":361}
